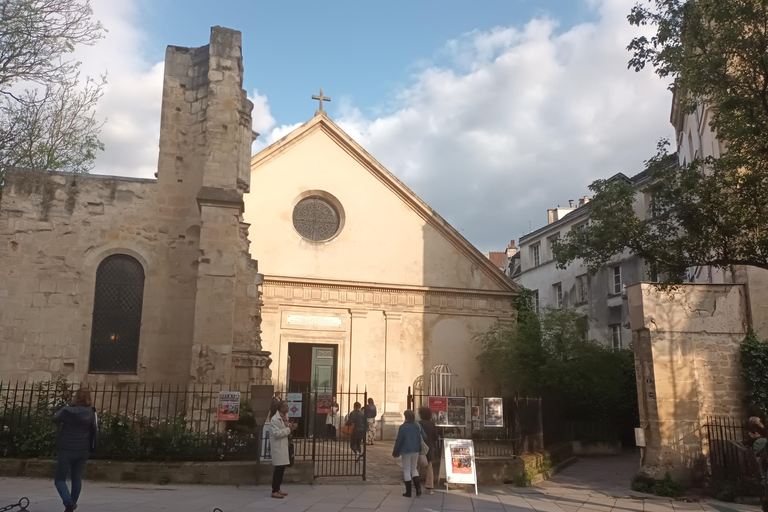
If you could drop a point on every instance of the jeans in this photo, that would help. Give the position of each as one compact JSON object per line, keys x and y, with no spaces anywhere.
{"x":74,"y":461}
{"x":429,"y":474}
{"x":277,"y":478}
{"x":410,"y":463}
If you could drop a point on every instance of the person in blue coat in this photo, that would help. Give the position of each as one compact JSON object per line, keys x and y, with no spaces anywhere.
{"x":407,"y":446}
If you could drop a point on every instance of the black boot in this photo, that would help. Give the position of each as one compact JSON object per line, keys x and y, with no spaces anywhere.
{"x":407,"y":489}
{"x":417,"y":485}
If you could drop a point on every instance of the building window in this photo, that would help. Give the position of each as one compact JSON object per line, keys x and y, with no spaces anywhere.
{"x":117,"y":304}
{"x":535,"y":300}
{"x":316,"y":219}
{"x":616,"y":336}
{"x":536,"y":255}
{"x":582,"y":288}
{"x":558,"y":292}
{"x":617,"y":280}
{"x":552,"y":242}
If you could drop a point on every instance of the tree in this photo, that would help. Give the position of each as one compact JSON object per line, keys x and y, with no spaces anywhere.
{"x":712,"y":211}
{"x":547,"y":355}
{"x":47,"y":117}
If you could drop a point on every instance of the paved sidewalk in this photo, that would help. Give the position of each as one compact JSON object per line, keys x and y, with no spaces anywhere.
{"x":590,"y":485}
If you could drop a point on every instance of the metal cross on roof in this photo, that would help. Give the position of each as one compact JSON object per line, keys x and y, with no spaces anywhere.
{"x":321,"y":98}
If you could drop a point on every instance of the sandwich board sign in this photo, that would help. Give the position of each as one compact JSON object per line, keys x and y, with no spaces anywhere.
{"x":459,"y":464}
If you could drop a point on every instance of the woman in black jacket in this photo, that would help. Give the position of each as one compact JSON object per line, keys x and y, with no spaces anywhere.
{"x":75,"y":441}
{"x":433,"y":455}
{"x":357,"y":419}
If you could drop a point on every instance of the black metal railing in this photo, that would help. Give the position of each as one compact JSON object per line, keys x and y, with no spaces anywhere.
{"x":136,"y":421}
{"x":520,"y":432}
{"x":727,"y":449}
{"x":319,"y":438}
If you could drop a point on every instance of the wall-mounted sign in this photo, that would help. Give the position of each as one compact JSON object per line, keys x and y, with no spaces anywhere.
{"x":313,"y":321}
{"x":229,"y":405}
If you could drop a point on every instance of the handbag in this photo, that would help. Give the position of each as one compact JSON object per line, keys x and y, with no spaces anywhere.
{"x":348,"y":429}
{"x":424,"y":450}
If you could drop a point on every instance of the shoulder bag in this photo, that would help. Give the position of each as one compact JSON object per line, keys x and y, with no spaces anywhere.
{"x":424,"y":449}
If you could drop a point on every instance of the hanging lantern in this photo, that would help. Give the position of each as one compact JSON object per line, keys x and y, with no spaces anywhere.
{"x":442,"y":381}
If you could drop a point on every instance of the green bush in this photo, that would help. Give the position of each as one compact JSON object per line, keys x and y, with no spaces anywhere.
{"x":754,"y":371}
{"x":729,"y":490}
{"x":27,"y":430}
{"x":668,"y":487}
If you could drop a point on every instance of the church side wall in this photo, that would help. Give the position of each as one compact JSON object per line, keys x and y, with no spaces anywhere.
{"x":55,"y":230}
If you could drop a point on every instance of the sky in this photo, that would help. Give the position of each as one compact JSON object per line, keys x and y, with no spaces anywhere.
{"x":491,"y":111}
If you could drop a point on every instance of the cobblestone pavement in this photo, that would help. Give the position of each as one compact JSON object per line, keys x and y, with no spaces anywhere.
{"x":590,"y":485}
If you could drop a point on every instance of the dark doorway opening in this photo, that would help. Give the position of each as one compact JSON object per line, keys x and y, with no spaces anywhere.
{"x":312,"y":372}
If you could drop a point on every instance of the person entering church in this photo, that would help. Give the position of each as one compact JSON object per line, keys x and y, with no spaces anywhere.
{"x":407,"y":446}
{"x":332,"y":420}
{"x":357,"y":420}
{"x":370,"y":416}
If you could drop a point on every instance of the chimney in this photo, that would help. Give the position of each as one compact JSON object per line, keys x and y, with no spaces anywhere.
{"x":584,"y":200}
{"x":551,"y":216}
{"x":570,"y":203}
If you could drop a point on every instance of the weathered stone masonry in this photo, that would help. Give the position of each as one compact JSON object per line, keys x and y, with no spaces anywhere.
{"x":201,"y":308}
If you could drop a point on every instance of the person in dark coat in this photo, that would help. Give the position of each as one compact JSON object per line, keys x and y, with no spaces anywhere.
{"x":357,"y":419}
{"x":76,"y":439}
{"x":433,"y":455}
{"x":370,"y":415}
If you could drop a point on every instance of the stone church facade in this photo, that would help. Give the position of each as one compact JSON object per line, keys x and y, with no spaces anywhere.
{"x":365,"y":286}
{"x":107,"y":279}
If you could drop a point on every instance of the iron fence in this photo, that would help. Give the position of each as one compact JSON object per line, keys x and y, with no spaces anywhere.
{"x":318,"y":436}
{"x":520,"y":432}
{"x":727,"y":449}
{"x":136,"y":421}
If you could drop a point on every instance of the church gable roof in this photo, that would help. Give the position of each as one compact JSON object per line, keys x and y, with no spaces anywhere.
{"x":357,"y":152}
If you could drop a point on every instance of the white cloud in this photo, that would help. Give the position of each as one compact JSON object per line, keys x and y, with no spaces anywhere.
{"x":518,"y":121}
{"x":133,"y":94}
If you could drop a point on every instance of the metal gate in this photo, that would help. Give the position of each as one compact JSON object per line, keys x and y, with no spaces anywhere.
{"x":319,"y":436}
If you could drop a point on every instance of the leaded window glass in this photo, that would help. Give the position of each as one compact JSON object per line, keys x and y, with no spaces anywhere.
{"x":117,"y":304}
{"x":316,"y":219}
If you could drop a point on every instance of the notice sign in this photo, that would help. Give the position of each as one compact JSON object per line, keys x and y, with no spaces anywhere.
{"x":494,"y":412}
{"x":294,"y":409}
{"x":324,"y":401}
{"x":460,"y":462}
{"x":229,"y":405}
{"x":450,"y":411}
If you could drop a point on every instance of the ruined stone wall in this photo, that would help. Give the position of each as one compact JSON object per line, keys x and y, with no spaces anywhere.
{"x":686,"y":344}
{"x":55,"y":229}
{"x":201,"y":297}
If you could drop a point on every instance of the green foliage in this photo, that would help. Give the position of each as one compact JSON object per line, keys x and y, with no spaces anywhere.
{"x":668,"y":487}
{"x":710,"y":211}
{"x":547,"y":355}
{"x":754,"y":371}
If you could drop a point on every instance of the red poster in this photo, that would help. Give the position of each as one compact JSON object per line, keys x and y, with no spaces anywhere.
{"x":438,"y":404}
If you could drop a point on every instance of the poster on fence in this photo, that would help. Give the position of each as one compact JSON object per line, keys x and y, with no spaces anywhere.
{"x":494,"y":412}
{"x":324,"y":401}
{"x":460,"y":462}
{"x":450,"y":411}
{"x":476,"y":415}
{"x":229,"y":405}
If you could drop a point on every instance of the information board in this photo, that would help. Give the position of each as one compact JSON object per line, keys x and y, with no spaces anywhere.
{"x":449,"y":411}
{"x":229,"y":405}
{"x":494,"y":412}
{"x":459,"y":463}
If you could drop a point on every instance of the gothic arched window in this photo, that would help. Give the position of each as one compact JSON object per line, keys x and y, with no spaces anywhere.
{"x":117,"y":305}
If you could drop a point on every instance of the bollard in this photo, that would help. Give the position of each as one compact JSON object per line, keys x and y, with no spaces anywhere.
{"x":22,"y":504}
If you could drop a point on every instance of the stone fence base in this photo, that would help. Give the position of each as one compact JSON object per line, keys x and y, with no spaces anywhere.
{"x":537,"y":466}
{"x":207,"y":473}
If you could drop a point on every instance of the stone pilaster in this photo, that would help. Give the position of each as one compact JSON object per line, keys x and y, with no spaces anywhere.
{"x":393,"y":388}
